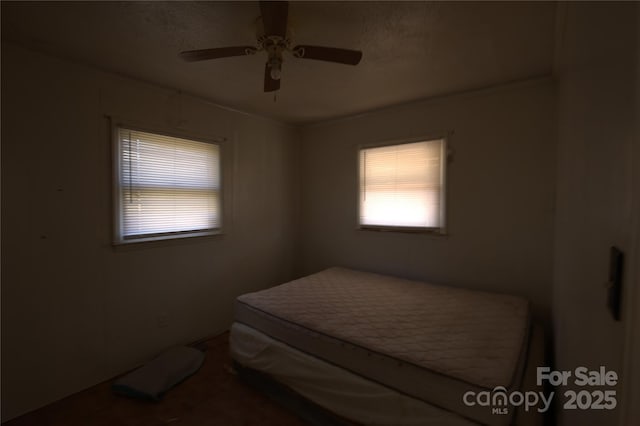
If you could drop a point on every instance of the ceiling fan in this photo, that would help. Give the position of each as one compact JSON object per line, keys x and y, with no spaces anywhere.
{"x":274,"y":41}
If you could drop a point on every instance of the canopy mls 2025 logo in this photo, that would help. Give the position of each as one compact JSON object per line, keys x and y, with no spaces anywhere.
{"x":596,"y":396}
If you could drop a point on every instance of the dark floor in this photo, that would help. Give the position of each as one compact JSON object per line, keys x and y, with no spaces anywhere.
{"x":213,"y":396}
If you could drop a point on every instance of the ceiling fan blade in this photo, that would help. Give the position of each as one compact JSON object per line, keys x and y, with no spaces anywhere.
{"x":270,"y":85}
{"x":330,"y":54}
{"x":274,"y":17}
{"x":219,"y":52}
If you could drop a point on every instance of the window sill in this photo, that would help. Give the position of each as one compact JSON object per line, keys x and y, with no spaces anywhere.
{"x":167,"y":237}
{"x":405,"y":230}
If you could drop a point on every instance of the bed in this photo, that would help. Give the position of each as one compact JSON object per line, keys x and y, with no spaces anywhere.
{"x":381,"y":350}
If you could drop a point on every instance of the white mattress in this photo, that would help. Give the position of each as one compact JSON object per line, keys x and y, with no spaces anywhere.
{"x":334,"y":388}
{"x":357,"y":398}
{"x":430,"y":342}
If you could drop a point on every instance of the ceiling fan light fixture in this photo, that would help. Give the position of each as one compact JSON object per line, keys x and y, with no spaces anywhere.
{"x":275,"y":72}
{"x":275,"y":67}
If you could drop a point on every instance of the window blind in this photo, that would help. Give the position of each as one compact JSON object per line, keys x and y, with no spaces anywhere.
{"x":402,"y":185}
{"x":168,"y":185}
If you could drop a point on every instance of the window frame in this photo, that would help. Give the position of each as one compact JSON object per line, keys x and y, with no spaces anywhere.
{"x":116,"y":167}
{"x":444,"y":193}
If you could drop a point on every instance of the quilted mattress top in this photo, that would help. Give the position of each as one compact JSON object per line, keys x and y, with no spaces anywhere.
{"x":472,"y":336}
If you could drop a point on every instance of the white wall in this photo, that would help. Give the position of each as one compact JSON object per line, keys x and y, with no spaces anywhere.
{"x":631,"y":390}
{"x":76,"y":310}
{"x":500,"y":193}
{"x":595,"y":192}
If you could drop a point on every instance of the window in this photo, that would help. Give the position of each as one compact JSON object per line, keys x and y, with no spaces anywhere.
{"x":402,"y":186}
{"x":166,"y":187}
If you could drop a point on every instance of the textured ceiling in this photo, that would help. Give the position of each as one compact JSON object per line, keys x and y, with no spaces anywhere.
{"x":412,"y":50}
